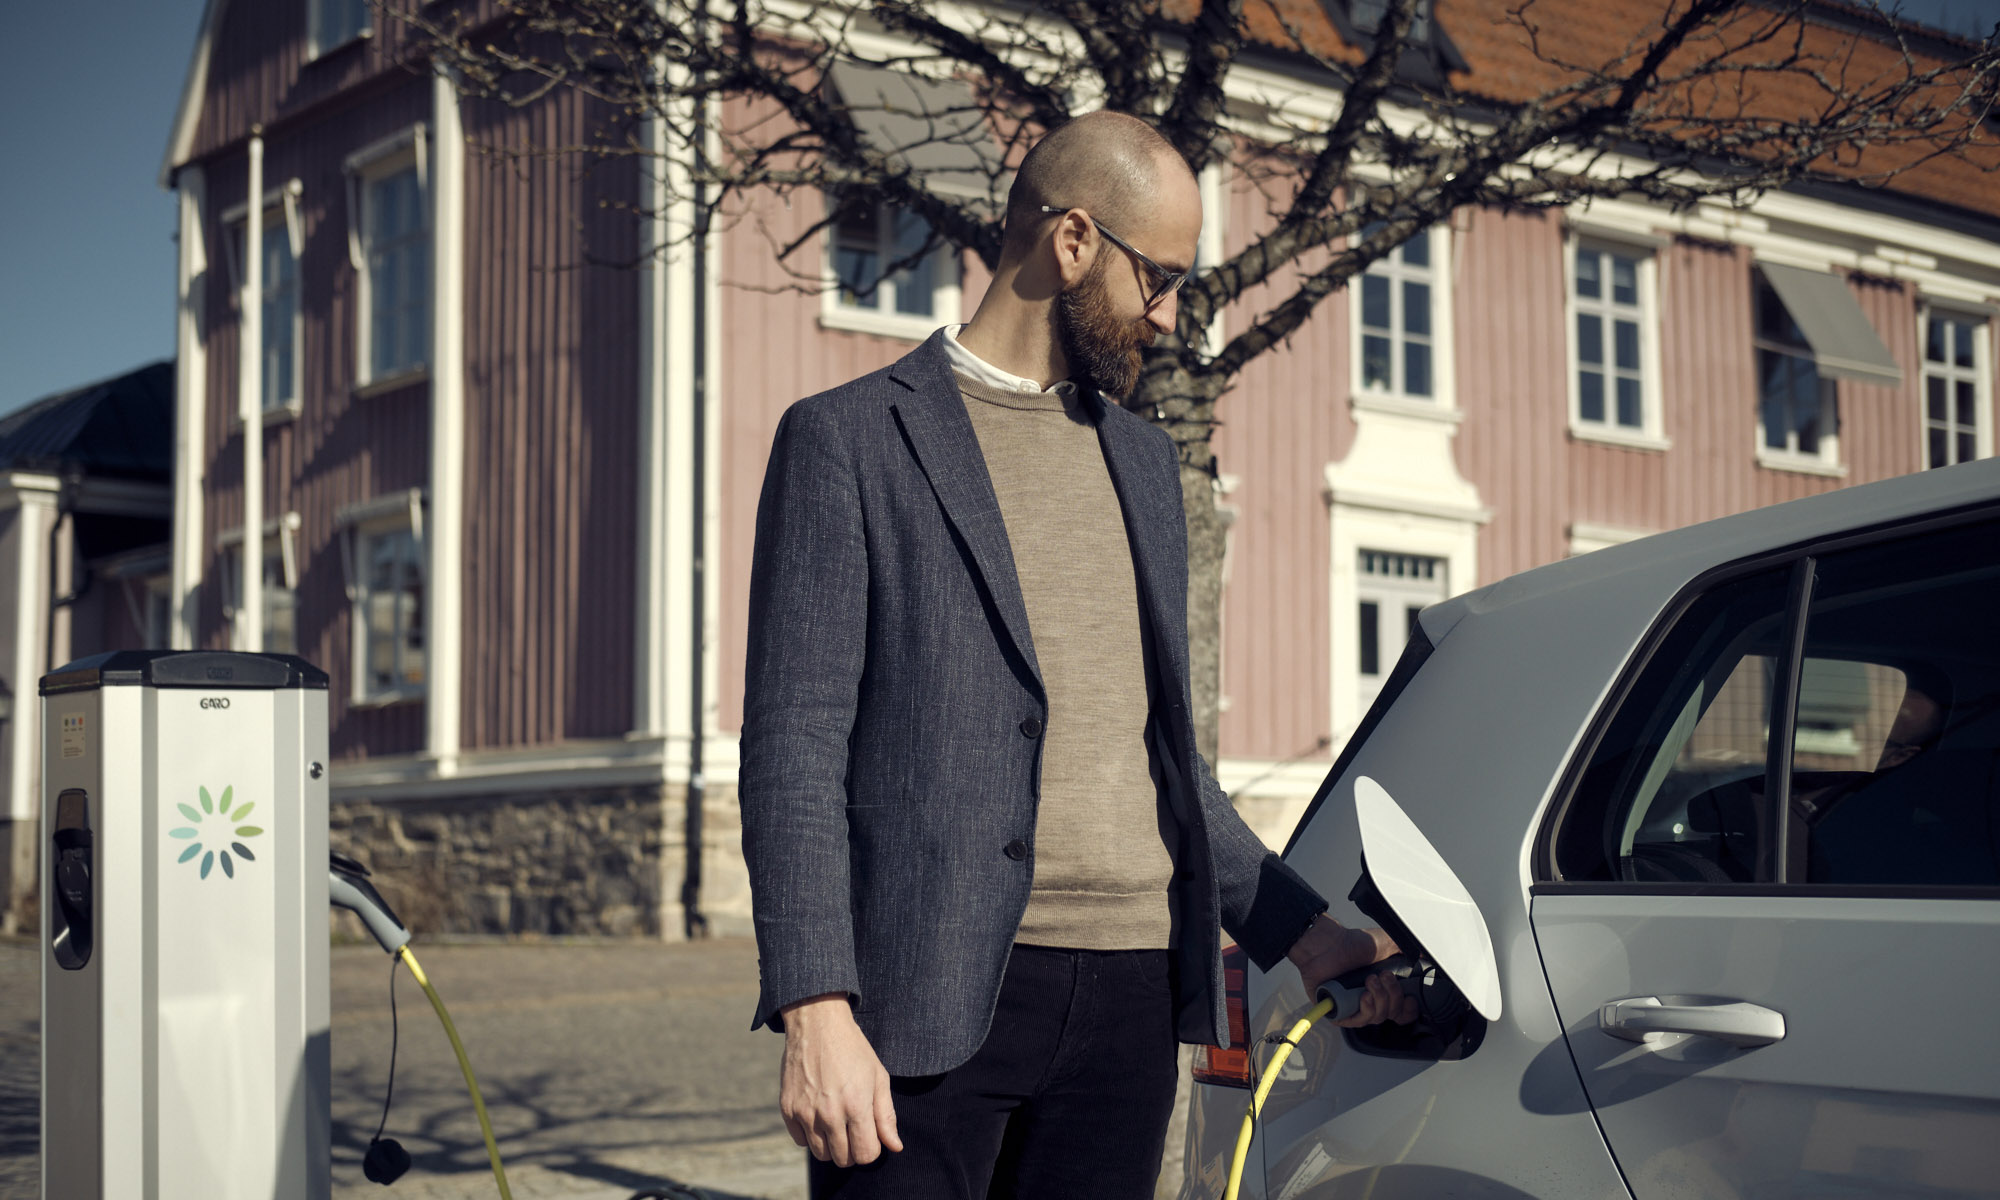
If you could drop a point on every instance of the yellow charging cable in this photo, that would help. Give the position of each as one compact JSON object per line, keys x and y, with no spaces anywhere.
{"x":1285,"y":1048}
{"x":465,"y":1065}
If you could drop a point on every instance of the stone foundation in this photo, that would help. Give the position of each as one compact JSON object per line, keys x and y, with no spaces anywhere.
{"x":597,"y":863}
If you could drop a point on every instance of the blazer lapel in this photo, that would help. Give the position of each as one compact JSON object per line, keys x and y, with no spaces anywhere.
{"x":1151,"y":499}
{"x":933,"y":417}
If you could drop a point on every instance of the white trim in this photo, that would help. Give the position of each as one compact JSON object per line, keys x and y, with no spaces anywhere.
{"x":249,"y":622}
{"x":1438,"y":276}
{"x":1586,"y":536}
{"x":1214,"y":248}
{"x":34,"y":503}
{"x":649,"y":607}
{"x":1649,"y":434}
{"x":1801,"y":464}
{"x":388,"y":506}
{"x":187,"y":113}
{"x":406,"y":149}
{"x":1422,"y":410}
{"x":445,"y":570}
{"x":614,"y":762}
{"x":190,"y":403}
{"x":282,"y":525}
{"x":1980,"y":375}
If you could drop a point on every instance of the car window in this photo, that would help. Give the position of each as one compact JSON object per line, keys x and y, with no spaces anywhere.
{"x":1896,"y":780}
{"x":1668,"y":794}
{"x":1893,"y":776}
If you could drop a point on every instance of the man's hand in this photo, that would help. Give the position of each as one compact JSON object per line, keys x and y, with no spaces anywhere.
{"x":835,"y":1093}
{"x":1328,"y":949}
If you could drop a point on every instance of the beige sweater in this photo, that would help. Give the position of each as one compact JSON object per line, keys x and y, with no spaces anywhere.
{"x":1102,"y":858}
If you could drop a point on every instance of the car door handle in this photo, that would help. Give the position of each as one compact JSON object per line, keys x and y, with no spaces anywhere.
{"x":1734,"y":1023}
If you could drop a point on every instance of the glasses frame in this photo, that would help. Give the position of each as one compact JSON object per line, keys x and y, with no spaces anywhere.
{"x":1169,"y":281}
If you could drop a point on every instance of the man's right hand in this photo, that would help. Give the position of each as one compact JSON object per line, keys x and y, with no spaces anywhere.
{"x":835,"y":1093}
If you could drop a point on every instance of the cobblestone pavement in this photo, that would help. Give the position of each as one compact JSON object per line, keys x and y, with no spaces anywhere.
{"x":607,"y":1068}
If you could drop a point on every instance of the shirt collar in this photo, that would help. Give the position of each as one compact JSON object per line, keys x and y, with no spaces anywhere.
{"x":978,"y":369}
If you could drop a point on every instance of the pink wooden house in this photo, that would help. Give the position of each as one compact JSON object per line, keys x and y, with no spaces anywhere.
{"x":505,"y":496}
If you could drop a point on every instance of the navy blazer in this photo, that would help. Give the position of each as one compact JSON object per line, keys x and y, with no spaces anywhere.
{"x":893,"y":714}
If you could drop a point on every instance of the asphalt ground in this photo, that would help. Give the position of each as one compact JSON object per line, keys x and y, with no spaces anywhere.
{"x":607,"y":1068}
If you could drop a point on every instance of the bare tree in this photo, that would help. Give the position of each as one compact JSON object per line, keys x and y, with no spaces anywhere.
{"x":1713,"y":98}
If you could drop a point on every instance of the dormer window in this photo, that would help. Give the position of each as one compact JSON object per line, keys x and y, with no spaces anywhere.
{"x":1367,"y":16}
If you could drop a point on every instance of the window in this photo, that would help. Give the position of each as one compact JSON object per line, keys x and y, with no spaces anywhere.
{"x":1367,"y":16}
{"x":157,"y":612}
{"x":383,"y":555}
{"x":281,"y":578}
{"x":280,"y":321}
{"x":395,"y":267}
{"x":1797,"y":414}
{"x":883,"y":282}
{"x":1956,"y":398}
{"x":1892,"y":773}
{"x":338,"y":22}
{"x":1399,"y":332}
{"x":1392,"y":590}
{"x":1613,"y":386}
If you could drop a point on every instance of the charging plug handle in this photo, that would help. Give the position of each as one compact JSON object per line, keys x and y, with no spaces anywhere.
{"x":1344,"y":991}
{"x":347,"y":886}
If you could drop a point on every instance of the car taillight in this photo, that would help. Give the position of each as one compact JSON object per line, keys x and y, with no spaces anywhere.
{"x":1231,"y":1067}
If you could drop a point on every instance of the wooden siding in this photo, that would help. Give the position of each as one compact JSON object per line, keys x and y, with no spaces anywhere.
{"x":551,"y":420}
{"x":1283,"y":423}
{"x":342,"y":448}
{"x":259,"y":74}
{"x":773,"y":352}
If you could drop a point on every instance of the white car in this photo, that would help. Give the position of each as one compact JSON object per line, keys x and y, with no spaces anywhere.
{"x":1695,"y":991}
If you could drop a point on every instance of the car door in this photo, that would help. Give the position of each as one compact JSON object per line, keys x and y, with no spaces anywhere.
{"x":1794,"y":999}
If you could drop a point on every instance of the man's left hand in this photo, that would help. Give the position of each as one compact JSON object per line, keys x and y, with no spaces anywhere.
{"x":1329,"y":949}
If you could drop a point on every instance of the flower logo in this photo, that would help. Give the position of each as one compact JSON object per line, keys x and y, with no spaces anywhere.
{"x":214,"y":825}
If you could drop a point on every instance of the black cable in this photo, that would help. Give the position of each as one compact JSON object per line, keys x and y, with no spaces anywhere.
{"x":391,"y":1094}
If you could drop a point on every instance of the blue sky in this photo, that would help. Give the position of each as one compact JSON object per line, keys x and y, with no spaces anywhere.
{"x":87,"y":290}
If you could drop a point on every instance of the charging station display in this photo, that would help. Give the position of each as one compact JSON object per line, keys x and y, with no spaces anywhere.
{"x":184,"y":893}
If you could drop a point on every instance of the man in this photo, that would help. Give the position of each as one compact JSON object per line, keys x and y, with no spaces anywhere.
{"x":987,"y":865}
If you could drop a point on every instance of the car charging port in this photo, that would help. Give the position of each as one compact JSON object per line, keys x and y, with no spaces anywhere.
{"x":1447,"y":1027}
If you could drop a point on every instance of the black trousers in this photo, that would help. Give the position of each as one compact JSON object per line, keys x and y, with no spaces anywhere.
{"x":1068,"y":1096}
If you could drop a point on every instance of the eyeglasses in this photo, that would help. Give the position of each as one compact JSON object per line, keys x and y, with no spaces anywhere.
{"x":1168,"y":282}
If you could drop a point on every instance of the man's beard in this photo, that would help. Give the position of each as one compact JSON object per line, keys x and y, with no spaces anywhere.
{"x":1103,"y":349}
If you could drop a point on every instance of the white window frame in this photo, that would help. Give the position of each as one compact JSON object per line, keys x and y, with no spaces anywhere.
{"x":281,"y":536}
{"x":1443,"y":399}
{"x":281,"y":209}
{"x":1826,"y":461}
{"x":357,"y":525}
{"x":1980,"y":375}
{"x":1411,"y":579}
{"x":1650,"y":433}
{"x":882,"y":319}
{"x":315,"y":10}
{"x":402,"y":151}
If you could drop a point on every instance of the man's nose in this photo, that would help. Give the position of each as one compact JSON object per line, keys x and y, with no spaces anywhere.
{"x":1164,"y":314}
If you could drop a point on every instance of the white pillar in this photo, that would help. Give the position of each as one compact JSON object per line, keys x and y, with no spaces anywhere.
{"x":250,"y":390}
{"x":444,"y":530}
{"x":190,"y":409}
{"x":34,"y":498}
{"x":649,"y":626}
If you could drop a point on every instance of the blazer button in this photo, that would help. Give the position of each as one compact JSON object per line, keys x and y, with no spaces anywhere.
{"x":1031,"y":728}
{"x":1016,"y":850}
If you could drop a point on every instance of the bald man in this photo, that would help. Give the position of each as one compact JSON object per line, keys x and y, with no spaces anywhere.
{"x":988,"y":867}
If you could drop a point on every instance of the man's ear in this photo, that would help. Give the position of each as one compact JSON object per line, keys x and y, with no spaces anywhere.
{"x":1072,"y":242}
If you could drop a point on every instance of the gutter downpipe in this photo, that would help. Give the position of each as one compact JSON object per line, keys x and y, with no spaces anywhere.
{"x":695,"y":924}
{"x":250,"y":389}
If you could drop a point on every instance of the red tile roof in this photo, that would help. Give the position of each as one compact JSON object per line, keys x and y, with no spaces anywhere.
{"x":1550,"y":43}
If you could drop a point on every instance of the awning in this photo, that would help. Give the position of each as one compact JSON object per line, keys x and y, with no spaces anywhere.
{"x":1844,"y":344}
{"x":935,"y":127}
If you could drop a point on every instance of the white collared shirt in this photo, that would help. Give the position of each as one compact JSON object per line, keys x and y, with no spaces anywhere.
{"x":967,"y":363}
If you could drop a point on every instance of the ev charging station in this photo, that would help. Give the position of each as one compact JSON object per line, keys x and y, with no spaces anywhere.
{"x":184,"y":964}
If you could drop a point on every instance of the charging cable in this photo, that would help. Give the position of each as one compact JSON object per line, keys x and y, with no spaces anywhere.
{"x":348,"y":888}
{"x":1287,"y":1044}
